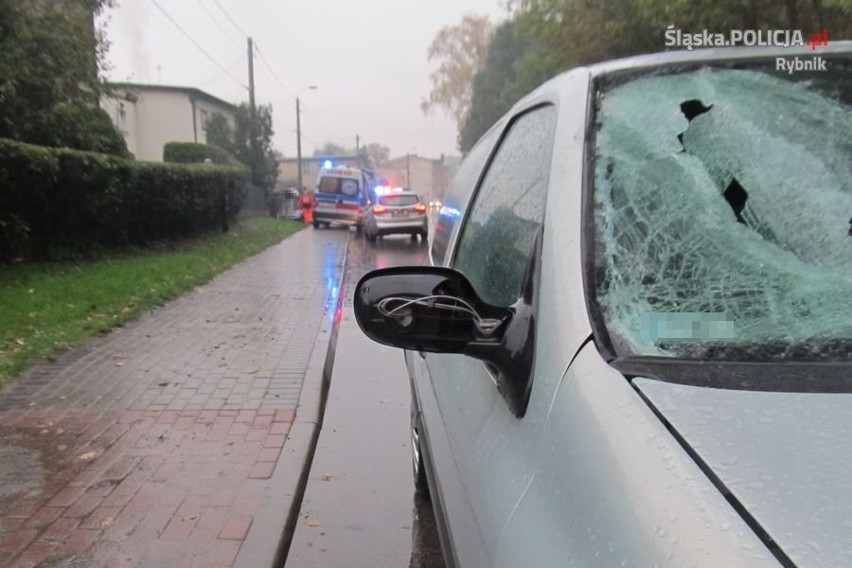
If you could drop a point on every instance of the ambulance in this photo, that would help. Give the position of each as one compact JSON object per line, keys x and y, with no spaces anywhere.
{"x":340,"y":197}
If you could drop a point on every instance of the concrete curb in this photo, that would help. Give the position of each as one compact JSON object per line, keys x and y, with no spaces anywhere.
{"x":279,"y":514}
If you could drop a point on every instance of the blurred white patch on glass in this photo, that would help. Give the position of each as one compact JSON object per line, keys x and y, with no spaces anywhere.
{"x":699,"y":326}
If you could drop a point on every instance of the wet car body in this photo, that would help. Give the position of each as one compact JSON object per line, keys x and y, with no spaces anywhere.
{"x":401,"y":212}
{"x":555,"y":423}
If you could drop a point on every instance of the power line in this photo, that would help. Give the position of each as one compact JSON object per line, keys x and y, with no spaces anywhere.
{"x":280,"y":83}
{"x":293,"y":130}
{"x":230,"y":19}
{"x":196,"y":44}
{"x":272,"y":73}
{"x":231,"y":66}
{"x":219,"y":24}
{"x":334,"y":135}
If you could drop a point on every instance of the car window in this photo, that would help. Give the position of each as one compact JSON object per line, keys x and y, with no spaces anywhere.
{"x":722,"y":208}
{"x":497,"y":239}
{"x":399,"y":200}
{"x":346,"y":186}
{"x":459,"y":193}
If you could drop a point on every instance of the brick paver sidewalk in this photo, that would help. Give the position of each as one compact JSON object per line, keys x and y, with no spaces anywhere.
{"x":154,"y":445}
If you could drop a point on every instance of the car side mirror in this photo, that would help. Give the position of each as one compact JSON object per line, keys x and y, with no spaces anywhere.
{"x":425,"y":308}
{"x":436,"y":310}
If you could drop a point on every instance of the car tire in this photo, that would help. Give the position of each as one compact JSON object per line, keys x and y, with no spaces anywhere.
{"x":413,"y":237}
{"x":370,"y":237}
{"x":424,"y":236}
{"x":316,"y":224}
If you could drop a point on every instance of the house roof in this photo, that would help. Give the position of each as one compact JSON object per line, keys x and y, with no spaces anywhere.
{"x":191,"y":92}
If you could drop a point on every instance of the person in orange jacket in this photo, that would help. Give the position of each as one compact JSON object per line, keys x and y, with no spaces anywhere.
{"x":306,"y":201}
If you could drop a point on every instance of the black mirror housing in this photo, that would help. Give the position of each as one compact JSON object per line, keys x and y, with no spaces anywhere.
{"x":436,"y":310}
{"x":423,"y":308}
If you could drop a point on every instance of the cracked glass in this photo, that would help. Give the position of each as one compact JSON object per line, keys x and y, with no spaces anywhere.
{"x":722,"y":218}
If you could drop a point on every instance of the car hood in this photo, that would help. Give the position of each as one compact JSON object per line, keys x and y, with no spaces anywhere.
{"x":784,"y":456}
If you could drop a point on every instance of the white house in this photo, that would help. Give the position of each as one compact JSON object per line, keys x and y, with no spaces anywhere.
{"x":150,"y":115}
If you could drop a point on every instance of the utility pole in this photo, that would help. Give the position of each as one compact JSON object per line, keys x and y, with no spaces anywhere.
{"x":299,"y":133}
{"x":299,"y":142}
{"x":252,"y":114}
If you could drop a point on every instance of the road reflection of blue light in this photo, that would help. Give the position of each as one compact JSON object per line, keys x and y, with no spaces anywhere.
{"x":331,"y":273}
{"x":449,"y":212}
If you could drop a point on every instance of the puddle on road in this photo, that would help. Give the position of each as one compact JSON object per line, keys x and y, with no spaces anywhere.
{"x":21,"y":471}
{"x":36,"y":460}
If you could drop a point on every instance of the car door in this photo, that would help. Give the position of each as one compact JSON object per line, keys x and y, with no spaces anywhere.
{"x":478,"y":446}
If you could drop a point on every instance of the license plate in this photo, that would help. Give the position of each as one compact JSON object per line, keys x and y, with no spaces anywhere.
{"x":402,"y":213}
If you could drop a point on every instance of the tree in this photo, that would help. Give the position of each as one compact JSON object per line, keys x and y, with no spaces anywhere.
{"x":219,"y":132}
{"x":461,"y":50}
{"x":378,"y":154}
{"x":545,"y":37}
{"x":50,"y":55}
{"x":579,"y":32}
{"x":332,"y":149}
{"x":372,"y":155}
{"x":496,"y":87}
{"x":260,"y":156}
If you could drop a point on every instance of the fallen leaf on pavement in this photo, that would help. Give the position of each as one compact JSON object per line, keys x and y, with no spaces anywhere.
{"x":88,"y":456}
{"x":326,"y":477}
{"x":312,"y":522}
{"x":163,"y":384}
{"x":107,"y":522}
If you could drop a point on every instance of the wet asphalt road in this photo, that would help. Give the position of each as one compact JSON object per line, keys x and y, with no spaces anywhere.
{"x":359,"y":507}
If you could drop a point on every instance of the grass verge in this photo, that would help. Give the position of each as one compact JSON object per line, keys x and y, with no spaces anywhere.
{"x":46,"y":308}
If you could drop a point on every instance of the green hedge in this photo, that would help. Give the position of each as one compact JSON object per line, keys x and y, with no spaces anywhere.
{"x":57,"y":203}
{"x":193,"y":153}
{"x":82,"y":127}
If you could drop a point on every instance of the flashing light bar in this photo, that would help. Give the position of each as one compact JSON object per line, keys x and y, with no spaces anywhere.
{"x":385,"y":189}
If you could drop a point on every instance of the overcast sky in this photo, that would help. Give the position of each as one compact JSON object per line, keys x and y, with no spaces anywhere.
{"x":368,"y":60}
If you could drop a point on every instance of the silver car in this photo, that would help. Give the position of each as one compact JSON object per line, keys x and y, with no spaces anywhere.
{"x":397,"y":212}
{"x":635,"y":345}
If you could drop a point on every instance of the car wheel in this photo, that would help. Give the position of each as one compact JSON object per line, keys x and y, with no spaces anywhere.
{"x":316,"y":224}
{"x":424,"y":236}
{"x":413,"y":237}
{"x":370,"y":237}
{"x":421,"y":485}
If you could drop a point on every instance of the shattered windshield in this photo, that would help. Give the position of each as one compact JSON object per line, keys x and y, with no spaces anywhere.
{"x":723,"y":204}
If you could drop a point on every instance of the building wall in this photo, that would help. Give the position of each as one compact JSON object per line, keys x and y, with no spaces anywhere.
{"x":427,"y":177}
{"x":153,"y":117}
